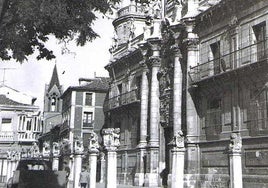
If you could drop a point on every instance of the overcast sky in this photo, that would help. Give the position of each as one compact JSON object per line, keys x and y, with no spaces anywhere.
{"x":30,"y":77}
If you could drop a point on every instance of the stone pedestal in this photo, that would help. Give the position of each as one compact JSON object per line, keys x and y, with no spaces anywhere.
{"x":140,"y":171}
{"x":111,"y":142}
{"x":177,"y":168}
{"x":235,"y":161}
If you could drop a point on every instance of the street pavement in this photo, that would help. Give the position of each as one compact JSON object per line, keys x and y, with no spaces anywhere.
{"x":102,"y":185}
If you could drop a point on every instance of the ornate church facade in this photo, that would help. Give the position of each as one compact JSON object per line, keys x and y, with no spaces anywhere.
{"x":189,"y":93}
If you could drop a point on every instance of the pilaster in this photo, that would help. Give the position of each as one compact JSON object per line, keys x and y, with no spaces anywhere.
{"x":191,"y":113}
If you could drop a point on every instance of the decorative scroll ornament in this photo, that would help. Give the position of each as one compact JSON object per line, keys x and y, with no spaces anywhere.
{"x":93,"y":145}
{"x":235,"y":145}
{"x":111,"y":138}
{"x":46,"y":149}
{"x":56,"y":149}
{"x":78,"y":146}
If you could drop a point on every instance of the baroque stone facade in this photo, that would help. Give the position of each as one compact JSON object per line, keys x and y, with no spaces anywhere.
{"x":189,"y":83}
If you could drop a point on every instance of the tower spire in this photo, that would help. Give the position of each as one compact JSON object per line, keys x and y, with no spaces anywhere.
{"x":54,"y":78}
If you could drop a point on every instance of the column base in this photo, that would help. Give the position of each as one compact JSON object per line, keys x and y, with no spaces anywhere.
{"x":152,"y":180}
{"x":139,"y":179}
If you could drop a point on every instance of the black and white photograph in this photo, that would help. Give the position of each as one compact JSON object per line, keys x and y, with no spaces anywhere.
{"x":133,"y":93}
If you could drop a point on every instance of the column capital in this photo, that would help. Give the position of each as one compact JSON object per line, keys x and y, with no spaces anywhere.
{"x":154,"y":61}
{"x":191,"y":43}
{"x":111,"y":138}
{"x":93,"y":146}
{"x":55,"y":149}
{"x":154,"y":44}
{"x":235,"y":146}
{"x":78,"y":147}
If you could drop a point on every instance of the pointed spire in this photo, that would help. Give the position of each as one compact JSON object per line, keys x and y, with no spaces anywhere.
{"x":54,"y":79}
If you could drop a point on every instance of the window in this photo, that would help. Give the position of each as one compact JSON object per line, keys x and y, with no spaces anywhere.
{"x":216,"y":56}
{"x":6,"y":124}
{"x":87,"y":120}
{"x":88,"y":101}
{"x":260,"y":35}
{"x":213,"y":117}
{"x":53,"y":104}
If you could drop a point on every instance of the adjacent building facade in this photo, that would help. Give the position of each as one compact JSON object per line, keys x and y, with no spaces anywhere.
{"x":189,"y":93}
{"x":20,"y":127}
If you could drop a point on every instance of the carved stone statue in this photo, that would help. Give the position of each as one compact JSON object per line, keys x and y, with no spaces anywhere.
{"x":34,"y":151}
{"x":78,"y":146}
{"x":93,"y":142}
{"x":46,"y":149}
{"x":55,"y":149}
{"x":235,"y":145}
{"x":111,"y":138}
{"x":179,"y":139}
{"x":65,"y":146}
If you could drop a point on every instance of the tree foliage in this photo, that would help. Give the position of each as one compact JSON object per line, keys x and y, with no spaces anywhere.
{"x":26,"y":24}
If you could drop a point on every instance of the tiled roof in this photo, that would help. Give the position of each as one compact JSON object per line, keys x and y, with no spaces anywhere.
{"x":95,"y":84}
{"x":6,"y":101}
{"x":98,"y":84}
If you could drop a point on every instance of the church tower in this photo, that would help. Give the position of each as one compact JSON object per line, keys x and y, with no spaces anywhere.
{"x":52,"y":102}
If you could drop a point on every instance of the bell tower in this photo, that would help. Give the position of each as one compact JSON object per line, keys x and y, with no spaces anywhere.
{"x":52,"y":102}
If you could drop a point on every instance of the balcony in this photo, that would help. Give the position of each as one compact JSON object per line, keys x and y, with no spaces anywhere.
{"x":27,"y":137}
{"x":7,"y":136}
{"x":123,"y":99}
{"x":131,"y":9}
{"x":249,"y":55}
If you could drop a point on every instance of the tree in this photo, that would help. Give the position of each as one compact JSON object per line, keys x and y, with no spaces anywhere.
{"x":25,"y":25}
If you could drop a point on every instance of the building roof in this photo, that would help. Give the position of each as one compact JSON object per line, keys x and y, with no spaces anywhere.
{"x":6,"y":101}
{"x":98,"y":84}
{"x":54,"y":79}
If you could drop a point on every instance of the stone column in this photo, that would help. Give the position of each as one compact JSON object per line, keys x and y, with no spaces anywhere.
{"x":152,"y":175}
{"x":102,"y":167}
{"x":8,"y":164}
{"x":141,"y":148}
{"x":177,"y":145}
{"x":93,"y":153}
{"x":235,"y":161}
{"x":191,"y":113}
{"x":55,"y":155}
{"x":78,"y":152}
{"x":111,"y":142}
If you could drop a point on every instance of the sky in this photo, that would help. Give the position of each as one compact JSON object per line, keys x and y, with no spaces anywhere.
{"x":31,"y":76}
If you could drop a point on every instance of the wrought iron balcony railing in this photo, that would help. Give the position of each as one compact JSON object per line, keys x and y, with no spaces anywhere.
{"x":248,"y":55}
{"x":123,"y":99}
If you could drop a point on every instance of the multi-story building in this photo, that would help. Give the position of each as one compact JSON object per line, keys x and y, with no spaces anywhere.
{"x":189,"y":83}
{"x":20,"y":126}
{"x":82,"y":108}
